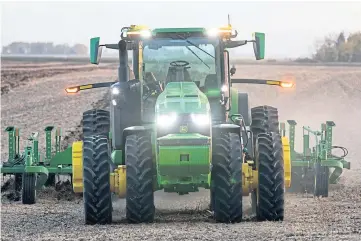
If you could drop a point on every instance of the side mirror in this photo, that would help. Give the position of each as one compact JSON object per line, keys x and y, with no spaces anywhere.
{"x":95,"y":50}
{"x":259,"y":45}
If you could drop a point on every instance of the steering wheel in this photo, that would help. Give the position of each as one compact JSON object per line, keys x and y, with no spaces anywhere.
{"x":179,"y":63}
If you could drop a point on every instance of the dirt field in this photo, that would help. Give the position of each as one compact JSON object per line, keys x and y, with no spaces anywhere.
{"x":35,"y":98}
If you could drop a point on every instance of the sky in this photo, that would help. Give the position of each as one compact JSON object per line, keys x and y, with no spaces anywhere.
{"x":292,"y":28}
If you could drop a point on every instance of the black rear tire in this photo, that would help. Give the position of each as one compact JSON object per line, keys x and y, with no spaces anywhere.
{"x":28,"y":188}
{"x":321,"y":180}
{"x":264,"y":119}
{"x":226,"y":178}
{"x":140,"y":194}
{"x":96,"y":176}
{"x":269,"y":161}
{"x":96,"y":122}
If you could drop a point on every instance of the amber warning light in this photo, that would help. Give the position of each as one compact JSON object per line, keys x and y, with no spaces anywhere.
{"x":288,"y":81}
{"x":286,"y":84}
{"x":72,"y":90}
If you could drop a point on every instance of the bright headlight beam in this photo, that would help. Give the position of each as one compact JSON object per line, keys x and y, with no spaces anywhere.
{"x":165,"y":120}
{"x":213,"y":32}
{"x":200,"y":119}
{"x":224,"y":88}
{"x":115,"y":91}
{"x":145,"y":33}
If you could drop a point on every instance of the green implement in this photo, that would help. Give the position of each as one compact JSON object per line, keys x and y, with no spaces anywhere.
{"x":317,"y":167}
{"x":30,"y":167}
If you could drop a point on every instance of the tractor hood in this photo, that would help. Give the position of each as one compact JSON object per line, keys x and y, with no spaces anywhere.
{"x":182,"y":97}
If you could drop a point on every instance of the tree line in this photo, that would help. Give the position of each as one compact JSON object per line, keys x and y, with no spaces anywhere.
{"x":337,"y":48}
{"x":39,"y":48}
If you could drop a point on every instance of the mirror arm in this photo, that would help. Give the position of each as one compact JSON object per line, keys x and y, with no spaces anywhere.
{"x":285,"y":84}
{"x":257,"y":81}
{"x":130,"y":46}
{"x":249,"y":81}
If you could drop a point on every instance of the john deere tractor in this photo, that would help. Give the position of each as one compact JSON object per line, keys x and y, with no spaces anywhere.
{"x":180,"y":126}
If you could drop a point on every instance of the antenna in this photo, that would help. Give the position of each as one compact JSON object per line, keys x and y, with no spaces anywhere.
{"x":229,"y":20}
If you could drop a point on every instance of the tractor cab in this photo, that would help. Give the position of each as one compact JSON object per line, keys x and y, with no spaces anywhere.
{"x":171,"y":58}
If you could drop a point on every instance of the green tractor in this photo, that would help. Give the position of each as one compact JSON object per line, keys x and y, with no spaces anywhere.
{"x":180,"y":126}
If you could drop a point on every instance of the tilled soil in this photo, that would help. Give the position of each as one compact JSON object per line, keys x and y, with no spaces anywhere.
{"x":322,"y":93}
{"x":13,"y":76}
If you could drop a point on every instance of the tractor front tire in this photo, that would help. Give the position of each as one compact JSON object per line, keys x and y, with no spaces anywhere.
{"x":96,"y":176}
{"x":28,"y":193}
{"x":96,"y":122}
{"x":269,"y":161}
{"x":140,"y":194}
{"x":226,"y":178}
{"x":321,"y":180}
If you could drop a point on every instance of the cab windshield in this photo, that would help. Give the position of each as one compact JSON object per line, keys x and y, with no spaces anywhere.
{"x":195,"y":55}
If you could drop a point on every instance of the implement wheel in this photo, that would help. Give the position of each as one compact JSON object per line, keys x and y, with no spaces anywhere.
{"x":270,"y":191}
{"x":96,"y":176}
{"x":321,"y":180}
{"x":226,"y":178}
{"x":140,"y":195}
{"x":96,"y":122}
{"x":296,"y":181}
{"x":28,"y":188}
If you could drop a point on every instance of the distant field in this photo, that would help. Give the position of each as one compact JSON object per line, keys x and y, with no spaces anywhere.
{"x":106,"y":59}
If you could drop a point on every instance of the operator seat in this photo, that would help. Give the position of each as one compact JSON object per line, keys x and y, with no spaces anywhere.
{"x":172,"y":74}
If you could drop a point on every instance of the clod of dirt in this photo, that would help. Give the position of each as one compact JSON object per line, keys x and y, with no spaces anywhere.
{"x":10,"y":190}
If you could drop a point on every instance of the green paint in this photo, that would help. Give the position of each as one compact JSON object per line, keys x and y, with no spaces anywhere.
{"x":117,"y":157}
{"x":234,"y":101}
{"x":183,"y":168}
{"x":12,"y":142}
{"x":94,"y":50}
{"x":259,"y":45}
{"x":321,"y":152}
{"x":48,"y":131}
{"x":62,"y":158}
{"x":182,"y":97}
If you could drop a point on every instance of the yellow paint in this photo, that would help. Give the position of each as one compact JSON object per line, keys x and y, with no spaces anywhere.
{"x":286,"y":161}
{"x":113,"y":181}
{"x":118,"y":183}
{"x":138,"y":27}
{"x":85,"y":87}
{"x":117,"y":178}
{"x":140,"y":60}
{"x":122,"y":181}
{"x":77,"y":165}
{"x":273,"y":82}
{"x":249,"y":178}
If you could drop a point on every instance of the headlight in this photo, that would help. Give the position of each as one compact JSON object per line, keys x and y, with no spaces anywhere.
{"x":114,"y":102}
{"x":115,"y":91}
{"x":200,"y":119}
{"x":165,"y":120}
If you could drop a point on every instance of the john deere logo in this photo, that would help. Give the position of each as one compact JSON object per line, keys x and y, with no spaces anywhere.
{"x":183,"y":129}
